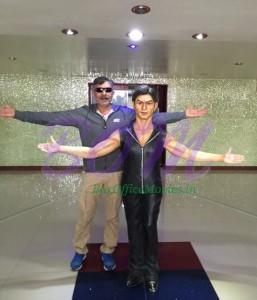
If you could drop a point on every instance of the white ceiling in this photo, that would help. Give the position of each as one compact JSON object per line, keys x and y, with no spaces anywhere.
{"x":31,"y":31}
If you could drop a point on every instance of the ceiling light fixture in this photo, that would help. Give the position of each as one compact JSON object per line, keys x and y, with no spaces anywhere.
{"x":199,"y":36}
{"x":132,"y":46}
{"x":135,"y":35}
{"x":140,"y":9}
{"x":238,"y":63}
{"x":69,"y":31}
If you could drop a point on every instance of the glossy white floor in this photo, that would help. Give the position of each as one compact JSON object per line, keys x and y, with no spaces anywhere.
{"x":38,"y":212}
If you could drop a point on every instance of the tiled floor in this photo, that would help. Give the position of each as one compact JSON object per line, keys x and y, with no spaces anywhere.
{"x":38,"y":212}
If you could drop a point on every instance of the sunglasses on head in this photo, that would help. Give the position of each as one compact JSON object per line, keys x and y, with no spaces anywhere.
{"x":101,"y":90}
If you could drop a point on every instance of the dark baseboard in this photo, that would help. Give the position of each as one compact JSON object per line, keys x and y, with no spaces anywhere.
{"x":78,"y":169}
{"x":42,"y":168}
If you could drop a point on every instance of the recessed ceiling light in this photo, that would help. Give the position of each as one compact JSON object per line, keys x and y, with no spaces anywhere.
{"x":135,"y":35}
{"x":140,"y":9}
{"x":238,"y":63}
{"x":200,"y":36}
{"x":132,"y":46}
{"x":69,"y":31}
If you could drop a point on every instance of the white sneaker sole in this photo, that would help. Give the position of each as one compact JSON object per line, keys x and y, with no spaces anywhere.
{"x":108,"y":269}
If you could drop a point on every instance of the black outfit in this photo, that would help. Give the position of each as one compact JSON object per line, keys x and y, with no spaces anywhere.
{"x":141,"y":189}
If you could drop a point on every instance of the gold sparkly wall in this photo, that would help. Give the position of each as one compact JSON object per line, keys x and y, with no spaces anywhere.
{"x":231,"y":121}
{"x":18,"y":140}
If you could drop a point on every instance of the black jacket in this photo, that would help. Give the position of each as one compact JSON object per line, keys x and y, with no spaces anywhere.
{"x":141,"y":171}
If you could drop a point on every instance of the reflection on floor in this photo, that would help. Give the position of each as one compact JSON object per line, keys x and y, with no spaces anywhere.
{"x":217,"y":212}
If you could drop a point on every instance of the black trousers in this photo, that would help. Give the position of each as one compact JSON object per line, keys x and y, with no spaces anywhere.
{"x":142,"y":211}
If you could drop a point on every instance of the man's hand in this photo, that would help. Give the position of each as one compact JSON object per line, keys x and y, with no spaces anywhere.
{"x":49,"y":147}
{"x":195,"y":112}
{"x":7,"y":111}
{"x":231,"y":158}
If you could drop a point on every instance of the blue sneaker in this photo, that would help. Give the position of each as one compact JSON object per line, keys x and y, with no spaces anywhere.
{"x":77,"y":261}
{"x":108,"y":261}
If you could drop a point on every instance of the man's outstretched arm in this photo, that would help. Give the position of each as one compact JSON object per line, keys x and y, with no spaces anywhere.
{"x":7,"y":111}
{"x":172,"y":117}
{"x":66,"y":118}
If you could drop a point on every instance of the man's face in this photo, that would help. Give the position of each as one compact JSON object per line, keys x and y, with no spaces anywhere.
{"x":103,"y":94}
{"x":145,"y":106}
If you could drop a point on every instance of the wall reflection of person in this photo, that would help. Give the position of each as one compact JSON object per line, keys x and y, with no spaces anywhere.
{"x":120,"y":100}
